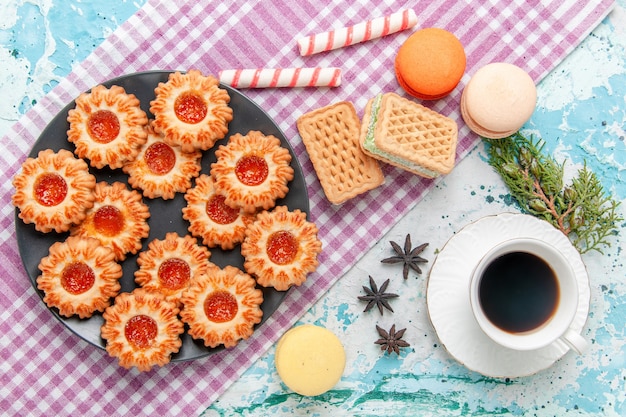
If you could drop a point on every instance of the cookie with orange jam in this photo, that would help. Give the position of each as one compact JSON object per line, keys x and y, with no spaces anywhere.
{"x":222,"y":306}
{"x":211,"y":219}
{"x":79,"y":277}
{"x":107,"y":126}
{"x":161,"y":169}
{"x":169,"y":265}
{"x":252,"y":171}
{"x":191,"y":110}
{"x":142,"y":329}
{"x":280,"y":248}
{"x":118,"y":219}
{"x":53,"y":191}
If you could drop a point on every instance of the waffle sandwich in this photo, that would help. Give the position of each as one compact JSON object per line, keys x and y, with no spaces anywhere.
{"x":331,"y":137}
{"x":408,"y":135}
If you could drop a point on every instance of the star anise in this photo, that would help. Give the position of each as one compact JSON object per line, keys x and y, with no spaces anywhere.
{"x":391,"y":341}
{"x":377,"y":297}
{"x":410,"y":257}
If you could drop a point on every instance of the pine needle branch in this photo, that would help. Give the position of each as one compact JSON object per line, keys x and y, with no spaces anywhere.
{"x":581,"y":209}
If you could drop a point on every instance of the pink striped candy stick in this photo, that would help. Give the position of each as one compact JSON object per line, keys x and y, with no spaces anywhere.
{"x":361,"y":32}
{"x":281,"y":77}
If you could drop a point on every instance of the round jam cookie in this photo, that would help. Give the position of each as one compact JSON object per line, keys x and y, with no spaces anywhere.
{"x":161,"y":169}
{"x":79,"y":277}
{"x":210,"y":219}
{"x":142,"y":329}
{"x":53,"y":190}
{"x":430,"y":63}
{"x":281,"y":248}
{"x":107,"y":126}
{"x":310,"y":359}
{"x":118,"y":219}
{"x":191,"y":110}
{"x":222,"y":306}
{"x":498,"y":100}
{"x":252,"y":171}
{"x":169,"y":265}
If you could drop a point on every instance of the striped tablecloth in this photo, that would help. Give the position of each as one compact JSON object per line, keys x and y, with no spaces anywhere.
{"x":47,"y":370}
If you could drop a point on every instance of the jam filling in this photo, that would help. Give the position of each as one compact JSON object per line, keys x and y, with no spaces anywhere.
{"x":141,"y":331}
{"x":109,"y":220}
{"x":77,"y":278}
{"x":190,"y":107}
{"x":160,"y":158}
{"x":251,"y":170}
{"x":103,"y":126}
{"x":282,"y":247}
{"x":174,"y":274}
{"x":50,"y":189}
{"x":219,"y":212}
{"x":220,"y":306}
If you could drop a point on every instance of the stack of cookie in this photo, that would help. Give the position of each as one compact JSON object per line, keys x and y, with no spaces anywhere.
{"x":346,"y":151}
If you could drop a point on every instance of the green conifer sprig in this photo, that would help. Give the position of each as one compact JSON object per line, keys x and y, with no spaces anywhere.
{"x":581,"y":209}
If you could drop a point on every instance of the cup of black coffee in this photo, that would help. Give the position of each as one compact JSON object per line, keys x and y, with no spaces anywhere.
{"x":524,"y":296}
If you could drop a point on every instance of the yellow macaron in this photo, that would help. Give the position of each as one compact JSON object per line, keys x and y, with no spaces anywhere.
{"x":310,"y":359}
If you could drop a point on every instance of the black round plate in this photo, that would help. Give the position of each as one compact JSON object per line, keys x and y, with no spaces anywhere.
{"x":166,"y":215}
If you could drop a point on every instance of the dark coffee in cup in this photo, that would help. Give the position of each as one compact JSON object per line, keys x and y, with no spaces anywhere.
{"x":524,"y":296}
{"x":518,"y":292}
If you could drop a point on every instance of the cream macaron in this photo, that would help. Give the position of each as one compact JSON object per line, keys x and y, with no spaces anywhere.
{"x":310,"y":359}
{"x":499,"y":98}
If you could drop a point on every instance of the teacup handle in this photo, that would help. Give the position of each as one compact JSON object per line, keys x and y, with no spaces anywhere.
{"x":575,"y":341}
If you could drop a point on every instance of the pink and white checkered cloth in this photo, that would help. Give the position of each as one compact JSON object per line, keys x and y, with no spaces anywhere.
{"x":47,"y":370}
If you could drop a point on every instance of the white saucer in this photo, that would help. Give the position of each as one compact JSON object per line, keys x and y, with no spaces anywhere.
{"x":448,"y":303}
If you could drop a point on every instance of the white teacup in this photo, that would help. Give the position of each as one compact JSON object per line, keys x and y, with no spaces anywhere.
{"x":524,"y":296}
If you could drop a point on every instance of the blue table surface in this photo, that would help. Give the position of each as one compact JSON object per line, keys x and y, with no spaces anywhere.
{"x":581,"y":114}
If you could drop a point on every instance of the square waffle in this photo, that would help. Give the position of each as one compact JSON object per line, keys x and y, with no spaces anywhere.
{"x":331,"y":137}
{"x":408,"y":135}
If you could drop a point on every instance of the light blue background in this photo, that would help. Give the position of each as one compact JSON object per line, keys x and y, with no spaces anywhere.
{"x":581,"y":116}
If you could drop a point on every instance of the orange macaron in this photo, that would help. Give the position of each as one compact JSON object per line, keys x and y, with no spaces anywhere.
{"x":430,"y":63}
